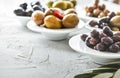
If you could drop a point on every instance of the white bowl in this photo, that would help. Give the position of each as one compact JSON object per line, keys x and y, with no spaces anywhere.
{"x":23,"y":19}
{"x":53,"y":34}
{"x":99,"y":57}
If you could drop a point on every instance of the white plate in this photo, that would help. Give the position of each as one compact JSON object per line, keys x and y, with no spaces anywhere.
{"x":54,"y":34}
{"x":82,"y":14}
{"x":100,"y":57}
{"x":87,"y":18}
{"x":96,"y":28}
{"x":91,"y":28}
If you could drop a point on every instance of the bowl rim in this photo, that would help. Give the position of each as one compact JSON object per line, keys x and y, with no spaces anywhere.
{"x":31,"y":24}
{"x":22,"y":17}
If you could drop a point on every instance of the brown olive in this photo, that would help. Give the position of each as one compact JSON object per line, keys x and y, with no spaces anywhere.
{"x":96,"y":2}
{"x":93,"y":23}
{"x":95,"y":6}
{"x":102,"y":7}
{"x":86,"y":8}
{"x":96,"y":12}
{"x":89,"y":9}
{"x":116,"y":1}
{"x":90,"y":14}
{"x":102,"y":14}
{"x":106,"y":11}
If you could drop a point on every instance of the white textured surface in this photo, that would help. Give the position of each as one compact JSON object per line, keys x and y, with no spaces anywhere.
{"x":25,"y":54}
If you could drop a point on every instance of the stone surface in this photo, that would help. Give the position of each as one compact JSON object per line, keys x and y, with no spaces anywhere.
{"x":26,"y":54}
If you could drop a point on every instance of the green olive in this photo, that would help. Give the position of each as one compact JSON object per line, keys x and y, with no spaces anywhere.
{"x":115,"y":21}
{"x":115,"y":28}
{"x":49,"y":4}
{"x":118,"y":13}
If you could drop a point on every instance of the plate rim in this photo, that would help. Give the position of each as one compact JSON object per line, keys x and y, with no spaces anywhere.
{"x":92,"y":28}
{"x":98,"y":54}
{"x":82,"y":14}
{"x":96,"y":28}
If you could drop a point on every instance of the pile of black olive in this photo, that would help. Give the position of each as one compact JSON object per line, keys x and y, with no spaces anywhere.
{"x":104,"y":40}
{"x":24,"y":10}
